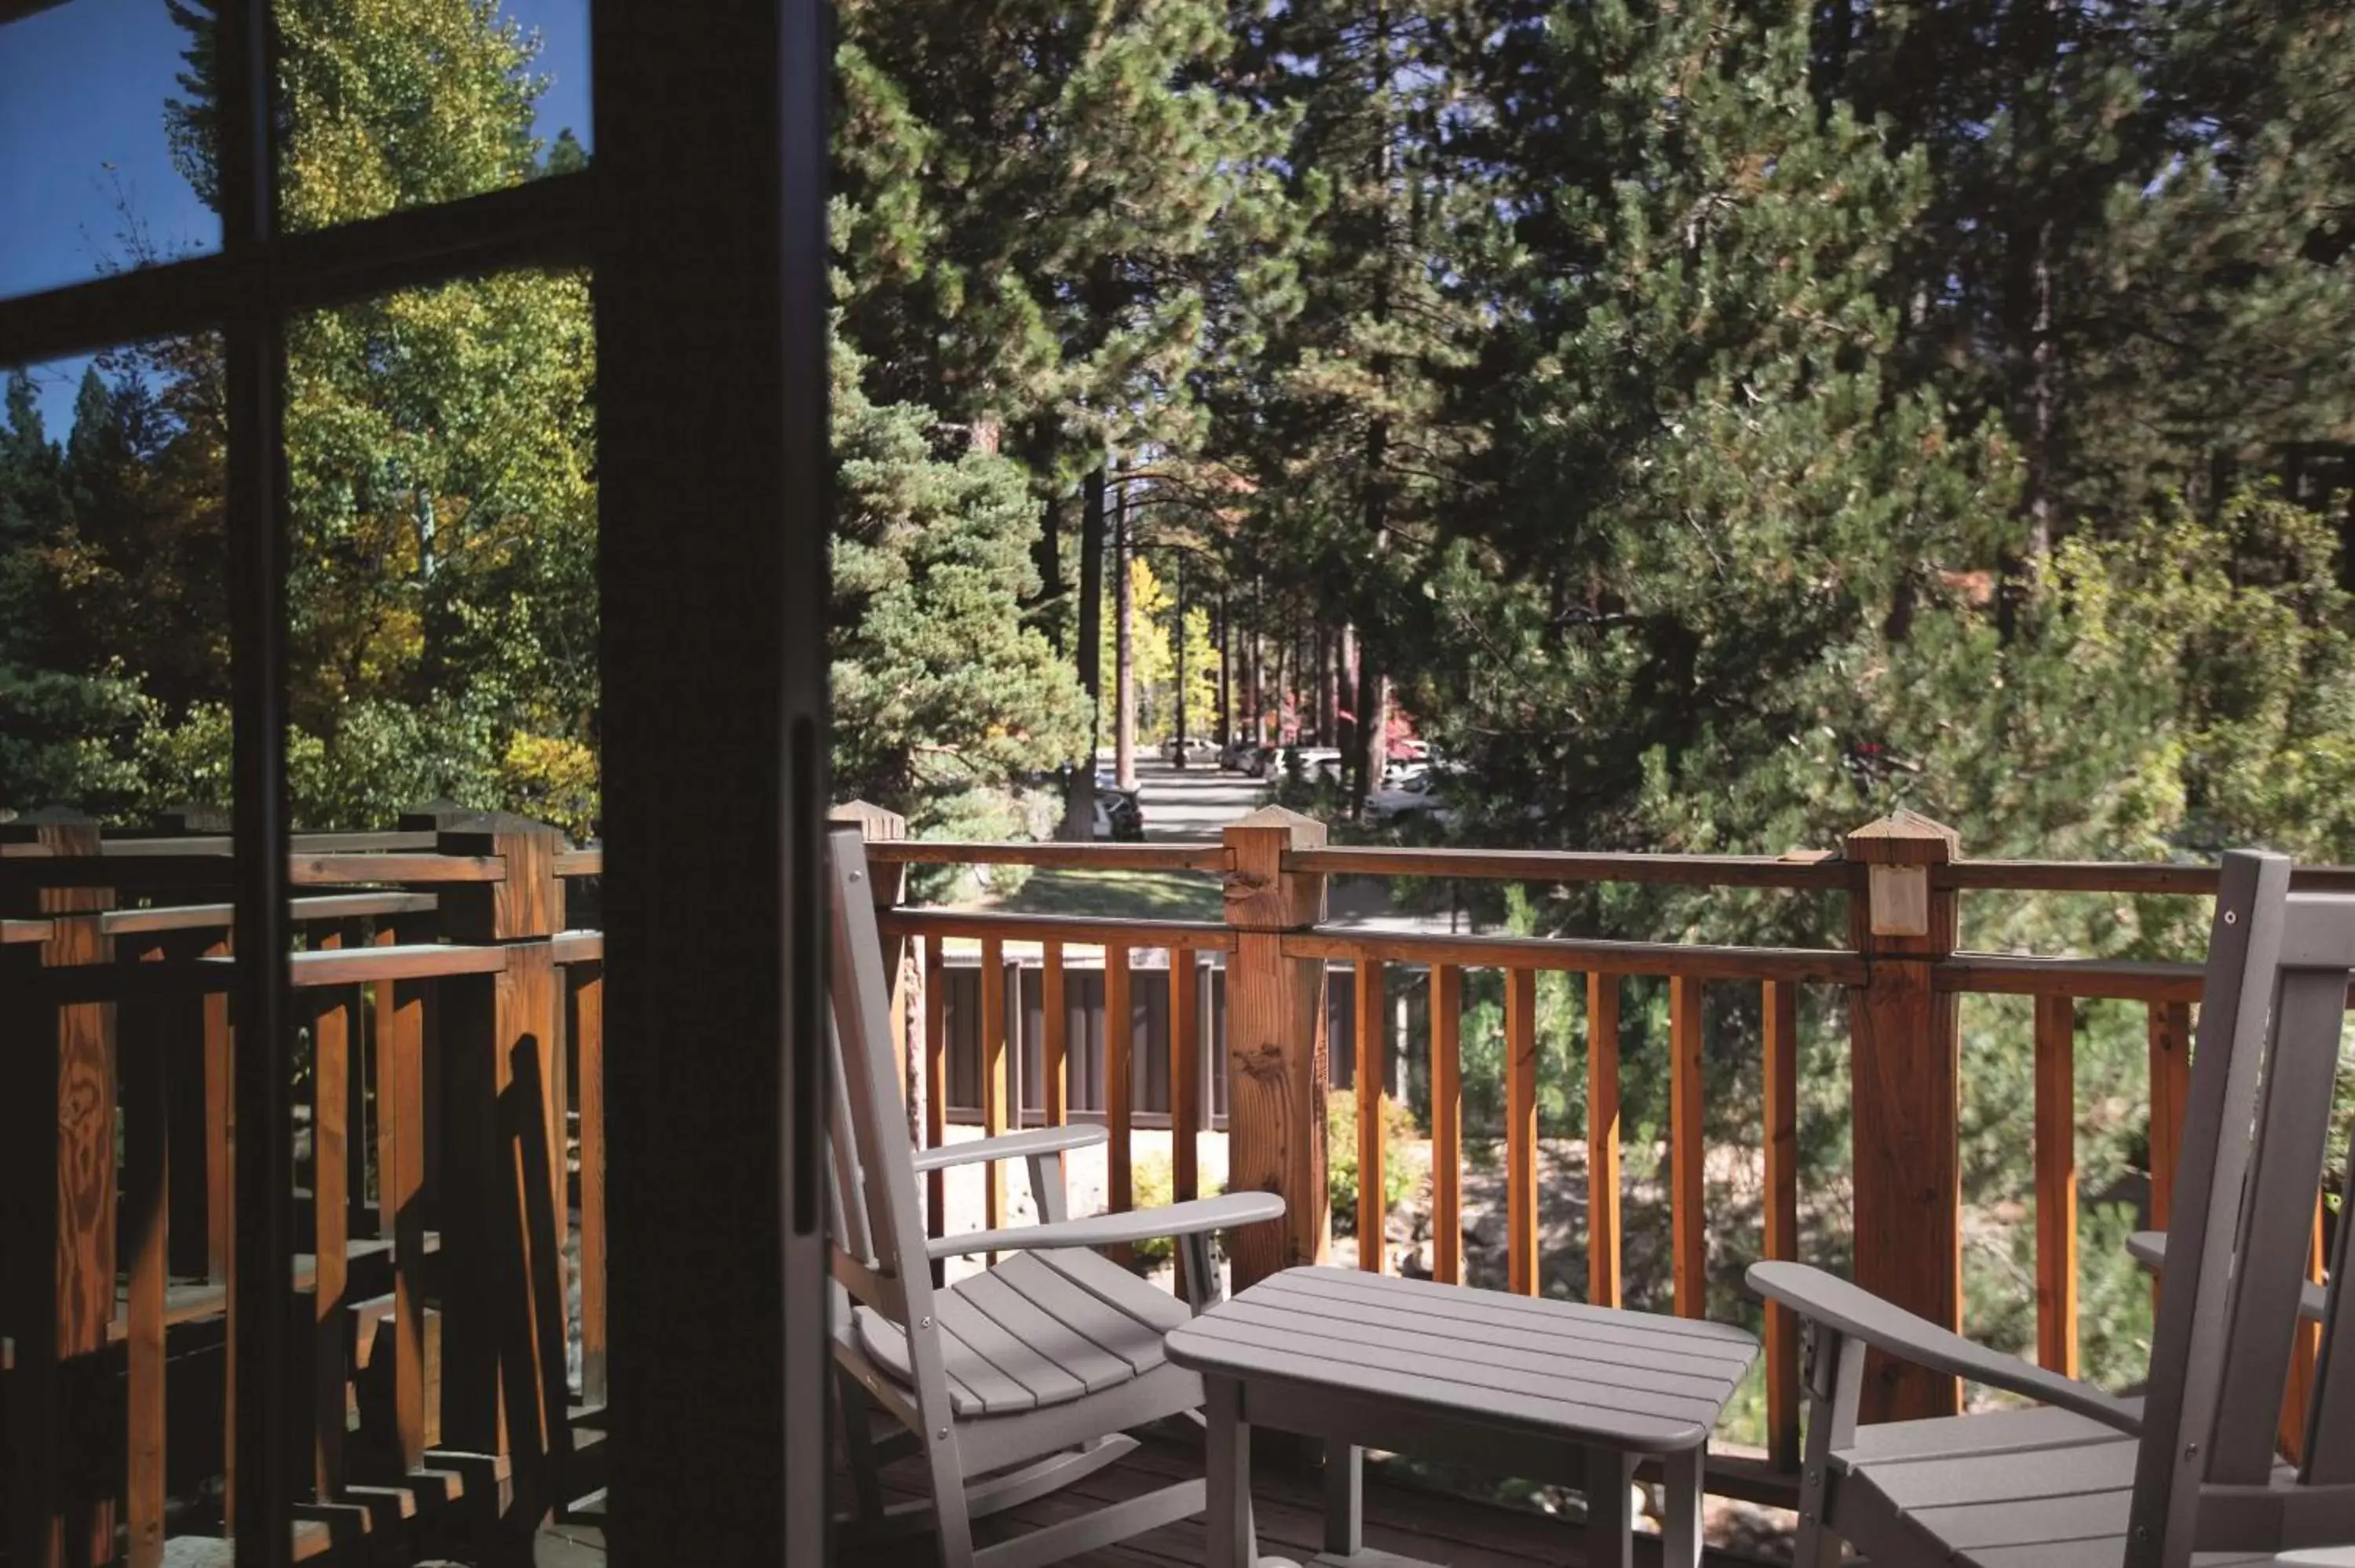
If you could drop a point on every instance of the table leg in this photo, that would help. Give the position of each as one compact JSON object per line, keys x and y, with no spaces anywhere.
{"x":1234,"y":1542}
{"x":1344,"y":1498}
{"x":1610,"y":1521}
{"x":1681,"y":1540}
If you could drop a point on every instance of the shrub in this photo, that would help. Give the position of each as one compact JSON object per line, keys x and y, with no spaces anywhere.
{"x":1404,"y":1162}
{"x":1155,"y":1186}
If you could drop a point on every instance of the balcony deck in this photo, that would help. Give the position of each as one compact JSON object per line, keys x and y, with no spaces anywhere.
{"x":1414,"y":1524}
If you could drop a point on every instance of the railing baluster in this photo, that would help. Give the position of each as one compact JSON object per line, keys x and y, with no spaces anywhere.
{"x":2056,"y":1184}
{"x":330,"y":1092}
{"x":2305,"y":1351}
{"x":588,"y":1021}
{"x":996,"y":1090}
{"x":1120,"y":1097}
{"x":1447,"y":1123}
{"x":1185,"y":1085}
{"x":936,"y":1088}
{"x":1521,"y":1131}
{"x":144,"y":1045}
{"x":1779,"y":1008}
{"x":1054,"y":1021}
{"x":1603,"y":1276}
{"x":1687,"y":1218}
{"x":1371,"y":1215}
{"x":2169,"y":1028}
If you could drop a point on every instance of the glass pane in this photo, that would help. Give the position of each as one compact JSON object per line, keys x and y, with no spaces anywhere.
{"x":416,"y":101}
{"x":100,"y":166}
{"x":115,"y":753}
{"x":442,"y":603}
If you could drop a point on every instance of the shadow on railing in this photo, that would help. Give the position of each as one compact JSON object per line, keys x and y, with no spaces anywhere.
{"x":452,"y":1061}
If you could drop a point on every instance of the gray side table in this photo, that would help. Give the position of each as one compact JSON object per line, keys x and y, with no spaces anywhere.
{"x":1541,"y":1390}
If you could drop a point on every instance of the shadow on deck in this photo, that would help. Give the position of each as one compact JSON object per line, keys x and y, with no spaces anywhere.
{"x":1412,"y":1522}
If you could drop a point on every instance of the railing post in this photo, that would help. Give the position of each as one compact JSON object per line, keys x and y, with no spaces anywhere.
{"x":1905,"y":1079}
{"x":1276,"y":1067}
{"x":57,"y":1251}
{"x":899,"y":961}
{"x":504,"y":1193}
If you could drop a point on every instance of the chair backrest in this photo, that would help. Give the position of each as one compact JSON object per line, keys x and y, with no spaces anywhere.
{"x":878,"y":1225}
{"x":2254,"y":1135}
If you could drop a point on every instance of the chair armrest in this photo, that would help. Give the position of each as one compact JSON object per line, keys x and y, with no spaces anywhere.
{"x":1226,"y":1211}
{"x":1011,"y":1146}
{"x":1835,"y":1304}
{"x":2148,"y":1248}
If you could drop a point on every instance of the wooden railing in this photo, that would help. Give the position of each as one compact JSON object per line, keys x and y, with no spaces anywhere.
{"x":454,"y":1043}
{"x":1897,"y":982}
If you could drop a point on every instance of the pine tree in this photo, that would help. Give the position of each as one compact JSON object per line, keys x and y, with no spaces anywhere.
{"x":943,"y":697}
{"x":1345,"y":419}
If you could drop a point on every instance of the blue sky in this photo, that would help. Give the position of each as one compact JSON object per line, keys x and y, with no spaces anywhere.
{"x":81,"y":143}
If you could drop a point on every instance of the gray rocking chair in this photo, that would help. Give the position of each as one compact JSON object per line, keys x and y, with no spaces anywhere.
{"x":2188,"y":1474}
{"x":1018,"y":1380}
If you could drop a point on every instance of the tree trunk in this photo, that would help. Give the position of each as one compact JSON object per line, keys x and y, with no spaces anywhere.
{"x":1178,"y":752}
{"x":1048,"y":556}
{"x":1080,"y":804}
{"x":1226,"y":675}
{"x":1124,"y":653}
{"x":1374,"y":705}
{"x":1345,"y":698}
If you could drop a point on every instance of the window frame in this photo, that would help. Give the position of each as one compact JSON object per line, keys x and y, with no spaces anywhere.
{"x":701,"y":220}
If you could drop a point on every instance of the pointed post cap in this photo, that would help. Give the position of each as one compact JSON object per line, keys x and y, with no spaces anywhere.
{"x":1905,"y":838}
{"x":1305,"y":829}
{"x":873,"y":821}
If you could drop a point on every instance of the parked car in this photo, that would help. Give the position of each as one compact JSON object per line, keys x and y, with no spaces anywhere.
{"x":1198,"y":749}
{"x":1415,"y":792}
{"x":1237,"y":754}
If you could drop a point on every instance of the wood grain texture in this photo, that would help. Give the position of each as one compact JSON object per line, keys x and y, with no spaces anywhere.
{"x":997,"y":1079}
{"x":401,"y":1110}
{"x":1185,"y":1076}
{"x":2056,"y":1184}
{"x":1604,"y":1283}
{"x":1055,"y":1031}
{"x":936,"y":1088}
{"x":1571,"y":866}
{"x":1208,"y":856}
{"x":2305,"y":1349}
{"x":1905,"y":1048}
{"x":1591,"y":954}
{"x":1521,"y":1131}
{"x":1447,"y":1124}
{"x":1275,"y":1084}
{"x":58,"y":1092}
{"x":587,"y":985}
{"x":1779,"y":1010}
{"x":526,"y":899}
{"x":331,"y":1047}
{"x":144,"y":1059}
{"x":1687,"y":1150}
{"x":2169,"y":1032}
{"x":1081,"y":930}
{"x":1185,"y":1088}
{"x":1371,"y":1218}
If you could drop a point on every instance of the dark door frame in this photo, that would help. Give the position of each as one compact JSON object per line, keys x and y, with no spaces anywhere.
{"x":703,"y":220}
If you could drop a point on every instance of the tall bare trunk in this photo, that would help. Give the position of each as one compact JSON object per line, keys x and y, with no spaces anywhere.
{"x":1226,"y":674}
{"x":1178,"y":752}
{"x":1123,"y":654}
{"x":1079,"y":805}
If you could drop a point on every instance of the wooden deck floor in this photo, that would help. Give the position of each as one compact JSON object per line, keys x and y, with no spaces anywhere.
{"x":1414,"y":1524}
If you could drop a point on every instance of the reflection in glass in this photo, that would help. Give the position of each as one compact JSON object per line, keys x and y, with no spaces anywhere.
{"x":114,"y":748}
{"x":443,"y":591}
{"x":113,"y":615}
{"x":96,"y":169}
{"x":404,"y":104}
